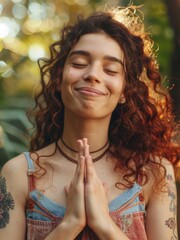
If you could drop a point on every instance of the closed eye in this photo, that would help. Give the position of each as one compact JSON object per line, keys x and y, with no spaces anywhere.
{"x":111,"y":72}
{"x":78,"y":65}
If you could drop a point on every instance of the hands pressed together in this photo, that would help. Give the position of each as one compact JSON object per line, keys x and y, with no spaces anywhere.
{"x":86,"y":195}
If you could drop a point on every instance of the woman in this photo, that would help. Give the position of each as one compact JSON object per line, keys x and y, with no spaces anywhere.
{"x":101,"y":160}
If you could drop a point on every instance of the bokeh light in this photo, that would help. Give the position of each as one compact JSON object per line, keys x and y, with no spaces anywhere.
{"x":3,"y":65}
{"x":19,"y":11}
{"x":1,"y":8}
{"x":36,"y":51}
{"x":8,"y":27}
{"x":18,"y":1}
{"x":36,"y":11}
{"x":4,"y":30}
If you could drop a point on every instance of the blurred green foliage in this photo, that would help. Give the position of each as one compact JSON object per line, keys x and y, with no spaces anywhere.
{"x":13,"y":127}
{"x":27,"y":28}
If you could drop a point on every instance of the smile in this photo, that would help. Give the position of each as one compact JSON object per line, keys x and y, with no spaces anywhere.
{"x":90,"y":91}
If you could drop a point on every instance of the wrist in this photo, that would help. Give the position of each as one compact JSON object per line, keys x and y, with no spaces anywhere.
{"x":63,"y":231}
{"x":101,"y":226}
{"x":70,"y":227}
{"x":108,"y":230}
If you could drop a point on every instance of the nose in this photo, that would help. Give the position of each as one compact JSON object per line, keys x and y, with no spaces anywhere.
{"x":93,"y":74}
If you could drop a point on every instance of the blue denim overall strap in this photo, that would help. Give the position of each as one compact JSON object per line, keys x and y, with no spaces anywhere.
{"x":134,"y":196}
{"x":30,"y":163}
{"x":30,"y":171}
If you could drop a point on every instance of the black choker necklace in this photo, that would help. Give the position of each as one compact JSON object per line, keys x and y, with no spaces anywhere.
{"x":73,"y":150}
{"x":75,"y":161}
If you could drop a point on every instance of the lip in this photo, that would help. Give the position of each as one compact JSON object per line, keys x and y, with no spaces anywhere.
{"x":90,"y":91}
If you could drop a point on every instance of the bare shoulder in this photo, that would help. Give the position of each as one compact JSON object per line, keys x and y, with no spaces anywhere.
{"x":168,"y":165}
{"x":167,"y":184}
{"x":15,"y":165}
{"x":158,"y":170}
{"x":166,"y":171}
{"x":14,"y":174}
{"x":160,"y":175}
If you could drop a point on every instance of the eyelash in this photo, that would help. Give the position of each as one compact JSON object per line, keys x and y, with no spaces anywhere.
{"x":80,"y":65}
{"x":110,"y":72}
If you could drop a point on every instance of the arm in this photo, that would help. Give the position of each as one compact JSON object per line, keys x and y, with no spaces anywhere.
{"x":12,"y":200}
{"x":161,"y":220}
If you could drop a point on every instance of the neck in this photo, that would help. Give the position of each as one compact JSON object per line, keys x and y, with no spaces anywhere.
{"x":95,"y":130}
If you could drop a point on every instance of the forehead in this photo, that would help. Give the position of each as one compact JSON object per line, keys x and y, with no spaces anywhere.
{"x":99,"y":43}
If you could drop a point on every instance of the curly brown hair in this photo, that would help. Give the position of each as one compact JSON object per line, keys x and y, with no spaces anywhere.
{"x":140,"y":129}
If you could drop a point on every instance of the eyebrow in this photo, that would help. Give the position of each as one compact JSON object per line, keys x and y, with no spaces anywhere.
{"x":114,"y":59}
{"x":80,"y":52}
{"x":87,"y":54}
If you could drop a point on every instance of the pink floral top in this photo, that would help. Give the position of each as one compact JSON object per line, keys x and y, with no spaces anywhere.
{"x":43,"y":215}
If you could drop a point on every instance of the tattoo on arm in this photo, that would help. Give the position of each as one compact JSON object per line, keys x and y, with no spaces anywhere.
{"x":6,"y":203}
{"x":171,"y":222}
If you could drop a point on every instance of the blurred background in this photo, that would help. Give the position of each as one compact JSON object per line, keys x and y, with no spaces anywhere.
{"x":28,"y":27}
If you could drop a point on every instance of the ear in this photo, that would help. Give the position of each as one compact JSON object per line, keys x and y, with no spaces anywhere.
{"x":122,"y":99}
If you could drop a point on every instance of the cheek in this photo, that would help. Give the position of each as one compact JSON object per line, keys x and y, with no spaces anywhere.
{"x":65,"y":75}
{"x":70,"y":79}
{"x":117,"y":86}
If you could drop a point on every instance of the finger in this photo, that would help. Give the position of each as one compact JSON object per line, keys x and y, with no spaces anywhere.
{"x":86,"y":151}
{"x":89,"y":168}
{"x":80,"y":151}
{"x":87,"y":155}
{"x":79,"y":172}
{"x":85,"y":141}
{"x":85,"y":147}
{"x":80,"y":148}
{"x":81,"y":163}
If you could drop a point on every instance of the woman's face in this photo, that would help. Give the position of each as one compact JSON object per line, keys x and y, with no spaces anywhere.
{"x":93,"y":76}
